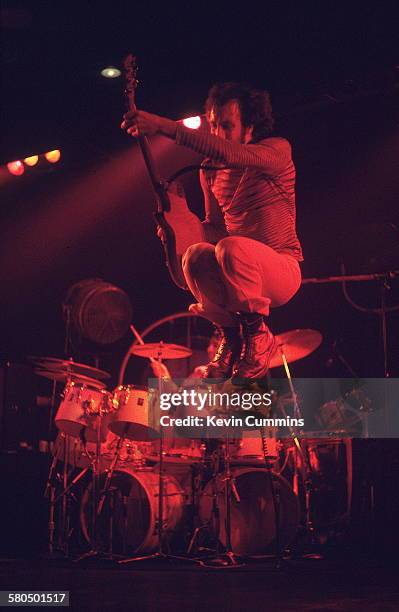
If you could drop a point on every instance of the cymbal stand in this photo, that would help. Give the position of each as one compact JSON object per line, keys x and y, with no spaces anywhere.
{"x":215,"y":513}
{"x":228,"y":558}
{"x":95,"y":471}
{"x":64,"y":495}
{"x":230,"y":487}
{"x":99,"y":500}
{"x":64,"y":502}
{"x":50,"y":494}
{"x":160,"y":553}
{"x":50,"y":491}
{"x":50,"y":488}
{"x":299,"y":455}
{"x":65,"y":498}
{"x":96,"y":485}
{"x":305,"y":473}
{"x":110,"y":472}
{"x":275,"y":496}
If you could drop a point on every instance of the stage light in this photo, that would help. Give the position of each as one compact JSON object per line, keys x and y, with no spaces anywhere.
{"x":192,"y":122}
{"x":16,"y":168}
{"x":111,"y":72}
{"x":32,"y":160}
{"x":53,"y":156}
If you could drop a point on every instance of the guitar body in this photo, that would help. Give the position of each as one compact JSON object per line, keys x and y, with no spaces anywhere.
{"x":181,"y":228}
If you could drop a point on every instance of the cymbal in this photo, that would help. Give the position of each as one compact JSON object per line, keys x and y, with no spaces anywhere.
{"x":161,"y":350}
{"x":68,"y":366}
{"x":296,"y":344}
{"x":60,"y":376}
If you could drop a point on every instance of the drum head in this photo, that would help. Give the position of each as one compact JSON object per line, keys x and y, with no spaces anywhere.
{"x":131,"y":513}
{"x":253,"y":524}
{"x":132,"y":504}
{"x":133,"y":431}
{"x":136,"y":417}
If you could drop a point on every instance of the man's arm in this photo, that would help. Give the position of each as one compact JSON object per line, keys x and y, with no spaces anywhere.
{"x":213,"y":224}
{"x":272,"y":155}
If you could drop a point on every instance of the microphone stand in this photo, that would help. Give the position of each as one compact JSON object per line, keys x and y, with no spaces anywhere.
{"x":384,"y":278}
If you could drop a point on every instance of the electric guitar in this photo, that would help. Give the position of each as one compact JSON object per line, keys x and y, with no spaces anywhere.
{"x":181,"y":228}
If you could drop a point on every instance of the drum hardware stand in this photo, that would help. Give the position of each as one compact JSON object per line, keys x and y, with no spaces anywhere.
{"x":231,"y":559}
{"x":64,"y":495}
{"x":72,"y":484}
{"x":50,"y":492}
{"x":110,"y":473}
{"x":214,"y":512}
{"x":305,"y":468}
{"x":109,"y":491}
{"x":160,"y":553}
{"x":228,"y":558}
{"x":50,"y":489}
{"x":305,"y":472}
{"x":95,"y":468}
{"x":275,"y":497}
{"x":64,"y":503}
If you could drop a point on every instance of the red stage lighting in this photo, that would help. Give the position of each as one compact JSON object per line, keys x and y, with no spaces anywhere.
{"x":16,"y":168}
{"x":53,"y":156}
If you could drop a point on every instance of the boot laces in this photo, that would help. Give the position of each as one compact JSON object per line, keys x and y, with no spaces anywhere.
{"x":223,"y":345}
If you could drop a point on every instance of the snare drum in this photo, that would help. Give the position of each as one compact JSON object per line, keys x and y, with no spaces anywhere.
{"x":83,"y":410}
{"x":135,"y":416}
{"x":180,"y":450}
{"x":80,"y":454}
{"x":249,"y":449}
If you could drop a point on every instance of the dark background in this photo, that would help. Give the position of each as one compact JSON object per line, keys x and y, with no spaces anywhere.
{"x":332,"y":70}
{"x":333,"y":73}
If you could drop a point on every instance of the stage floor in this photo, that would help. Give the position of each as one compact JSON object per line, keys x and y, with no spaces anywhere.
{"x":305,"y":585}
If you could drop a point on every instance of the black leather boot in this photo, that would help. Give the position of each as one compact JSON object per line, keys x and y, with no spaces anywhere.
{"x":260,"y":345}
{"x":227,"y":354}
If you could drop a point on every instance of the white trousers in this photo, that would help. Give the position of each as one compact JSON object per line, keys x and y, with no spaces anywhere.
{"x":238,"y":275}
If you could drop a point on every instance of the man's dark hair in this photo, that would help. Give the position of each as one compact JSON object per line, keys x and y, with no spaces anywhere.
{"x":255,"y":106}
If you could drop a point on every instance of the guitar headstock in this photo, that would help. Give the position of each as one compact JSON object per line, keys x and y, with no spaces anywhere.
{"x":131,"y":69}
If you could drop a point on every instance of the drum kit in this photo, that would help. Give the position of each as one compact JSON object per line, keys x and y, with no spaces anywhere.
{"x":140,"y":493}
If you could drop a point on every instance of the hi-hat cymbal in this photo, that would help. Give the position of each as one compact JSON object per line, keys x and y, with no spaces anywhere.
{"x":60,"y":376}
{"x":161,"y":350}
{"x":296,"y":344}
{"x":68,"y":366}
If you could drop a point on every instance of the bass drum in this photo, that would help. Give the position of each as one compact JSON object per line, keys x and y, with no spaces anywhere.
{"x":253,"y":527}
{"x":131,"y":512}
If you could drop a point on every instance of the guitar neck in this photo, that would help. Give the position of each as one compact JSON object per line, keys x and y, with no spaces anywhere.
{"x":150,"y":164}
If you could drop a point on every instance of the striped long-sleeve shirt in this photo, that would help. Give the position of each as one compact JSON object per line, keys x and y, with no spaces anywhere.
{"x":255,"y":196}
